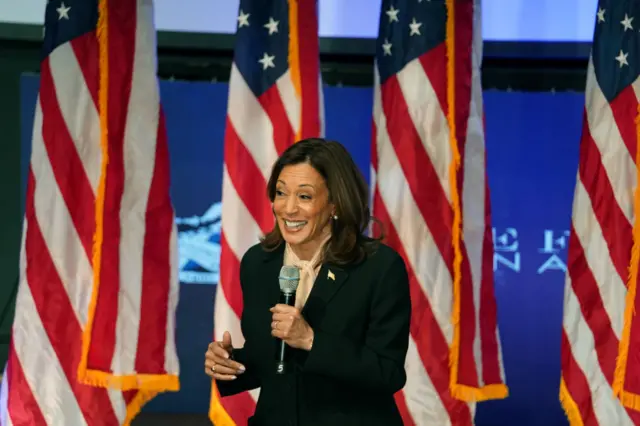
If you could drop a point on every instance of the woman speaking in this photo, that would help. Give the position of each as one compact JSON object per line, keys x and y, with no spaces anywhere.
{"x":348,"y":332}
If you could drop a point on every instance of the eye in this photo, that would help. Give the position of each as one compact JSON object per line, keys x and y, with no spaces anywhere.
{"x":279,"y":193}
{"x":305,"y":197}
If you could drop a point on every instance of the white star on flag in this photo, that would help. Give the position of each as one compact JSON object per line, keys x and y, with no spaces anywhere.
{"x":267,"y":61}
{"x":622,"y":58}
{"x":243,"y":19}
{"x":386,"y":47}
{"x":272,"y":26}
{"x":415,"y":27}
{"x":393,"y":14}
{"x":63,"y":11}
{"x":626,"y":22}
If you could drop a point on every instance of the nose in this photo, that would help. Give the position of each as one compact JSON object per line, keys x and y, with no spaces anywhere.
{"x":291,"y":207}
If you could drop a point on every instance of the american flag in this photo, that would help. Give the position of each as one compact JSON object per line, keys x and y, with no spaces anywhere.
{"x":275,"y":99}
{"x":430,"y":193}
{"x":600,"y":367}
{"x":93,"y":334}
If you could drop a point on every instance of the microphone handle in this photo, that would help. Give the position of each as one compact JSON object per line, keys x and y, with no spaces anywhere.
{"x":282,"y":351}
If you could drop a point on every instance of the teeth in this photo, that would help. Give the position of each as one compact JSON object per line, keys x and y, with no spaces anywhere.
{"x":294,"y":224}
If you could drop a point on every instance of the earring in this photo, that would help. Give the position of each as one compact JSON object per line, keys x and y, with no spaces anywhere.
{"x":335,"y":217}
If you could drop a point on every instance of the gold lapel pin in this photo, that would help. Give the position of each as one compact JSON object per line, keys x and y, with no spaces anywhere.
{"x":331,"y":276}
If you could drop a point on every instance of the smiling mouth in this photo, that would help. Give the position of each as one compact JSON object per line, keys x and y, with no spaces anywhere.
{"x":294,"y":225}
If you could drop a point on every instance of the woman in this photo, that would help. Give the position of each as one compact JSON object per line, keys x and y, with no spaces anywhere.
{"x":348,"y":332}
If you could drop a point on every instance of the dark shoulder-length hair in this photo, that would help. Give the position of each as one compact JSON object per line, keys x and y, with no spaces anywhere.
{"x":347,"y":191}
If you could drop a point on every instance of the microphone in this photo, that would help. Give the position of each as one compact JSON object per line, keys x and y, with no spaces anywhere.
{"x":288,"y":279}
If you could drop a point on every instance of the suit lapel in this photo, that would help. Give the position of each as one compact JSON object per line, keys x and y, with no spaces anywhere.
{"x":273,"y":262}
{"x":329,"y":280}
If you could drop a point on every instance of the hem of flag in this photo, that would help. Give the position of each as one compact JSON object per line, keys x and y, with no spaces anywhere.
{"x":630,"y":399}
{"x":569,"y":406}
{"x":143,"y":382}
{"x":217,"y":414}
{"x":136,"y":404}
{"x":479,"y":394}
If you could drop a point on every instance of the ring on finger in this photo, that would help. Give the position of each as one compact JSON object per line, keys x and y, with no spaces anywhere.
{"x":213,"y":368}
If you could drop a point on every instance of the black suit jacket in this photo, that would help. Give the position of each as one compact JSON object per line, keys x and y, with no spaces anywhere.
{"x":360,"y":315}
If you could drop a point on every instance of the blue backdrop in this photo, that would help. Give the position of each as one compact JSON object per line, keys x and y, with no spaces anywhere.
{"x":532,"y":143}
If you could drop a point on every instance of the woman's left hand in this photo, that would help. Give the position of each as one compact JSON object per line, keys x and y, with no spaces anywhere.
{"x":290,"y":326}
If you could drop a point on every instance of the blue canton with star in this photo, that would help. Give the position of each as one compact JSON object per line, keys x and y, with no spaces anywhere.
{"x":262,"y":42}
{"x":616,"y":46}
{"x":408,"y":29}
{"x":66,"y":20}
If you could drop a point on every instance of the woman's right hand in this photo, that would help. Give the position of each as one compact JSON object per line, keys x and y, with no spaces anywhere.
{"x":218,"y":362}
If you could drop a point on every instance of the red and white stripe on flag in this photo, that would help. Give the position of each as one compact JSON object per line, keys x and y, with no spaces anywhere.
{"x":431,"y":195}
{"x":93,"y":337}
{"x":259,"y":128}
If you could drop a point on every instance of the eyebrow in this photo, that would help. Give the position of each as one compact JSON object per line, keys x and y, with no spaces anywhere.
{"x":299,"y":186}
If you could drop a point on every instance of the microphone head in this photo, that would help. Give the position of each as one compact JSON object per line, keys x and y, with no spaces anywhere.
{"x":289,"y":279}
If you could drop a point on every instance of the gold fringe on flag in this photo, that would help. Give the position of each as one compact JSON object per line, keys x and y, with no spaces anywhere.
{"x":455,"y":200}
{"x":103,"y":103}
{"x":459,"y":391}
{"x":569,"y":405}
{"x":294,"y":59}
{"x":217,"y":414}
